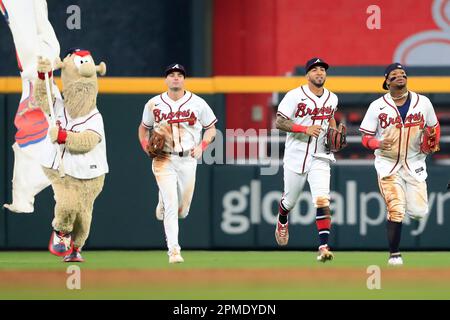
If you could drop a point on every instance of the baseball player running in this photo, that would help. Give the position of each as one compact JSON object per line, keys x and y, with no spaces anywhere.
{"x":306,"y":113}
{"x":402,"y":128}
{"x":176,"y":118}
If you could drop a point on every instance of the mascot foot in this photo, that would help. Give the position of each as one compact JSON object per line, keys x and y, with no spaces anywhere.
{"x":75,"y":256}
{"x":17,"y":209}
{"x":60,"y":244}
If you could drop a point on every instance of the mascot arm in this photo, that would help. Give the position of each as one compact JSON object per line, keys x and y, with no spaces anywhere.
{"x":40,"y":92}
{"x":82,"y":142}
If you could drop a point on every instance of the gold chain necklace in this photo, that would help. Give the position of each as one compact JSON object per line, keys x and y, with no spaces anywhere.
{"x":399,"y":97}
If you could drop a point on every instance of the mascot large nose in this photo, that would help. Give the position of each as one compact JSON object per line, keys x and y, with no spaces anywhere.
{"x":87,"y":70}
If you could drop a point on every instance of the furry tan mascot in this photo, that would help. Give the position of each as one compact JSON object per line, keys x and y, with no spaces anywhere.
{"x":75,"y":156}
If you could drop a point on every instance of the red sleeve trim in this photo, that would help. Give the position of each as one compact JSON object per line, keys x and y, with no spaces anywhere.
{"x":436,"y":125}
{"x":283,"y":115}
{"x":369,"y":132}
{"x":208,"y":126}
{"x":148,"y":127}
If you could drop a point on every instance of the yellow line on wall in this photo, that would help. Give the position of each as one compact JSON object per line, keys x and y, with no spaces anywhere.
{"x":128,"y":85}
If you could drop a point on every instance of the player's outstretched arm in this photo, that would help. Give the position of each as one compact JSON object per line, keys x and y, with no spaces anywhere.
{"x":288,"y":126}
{"x":209,"y":135}
{"x":372,"y":143}
{"x":284,"y":124}
{"x":143,"y":134}
{"x":208,"y":138}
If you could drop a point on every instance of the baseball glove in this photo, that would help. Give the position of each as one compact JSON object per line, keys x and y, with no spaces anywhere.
{"x":156,"y":143}
{"x":336,"y":138}
{"x":429,"y":143}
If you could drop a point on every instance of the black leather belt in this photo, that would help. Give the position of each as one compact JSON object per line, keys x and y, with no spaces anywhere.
{"x":180,"y":154}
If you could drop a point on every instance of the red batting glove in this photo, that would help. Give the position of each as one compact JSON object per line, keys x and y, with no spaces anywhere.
{"x":41,"y":75}
{"x":62,"y":135}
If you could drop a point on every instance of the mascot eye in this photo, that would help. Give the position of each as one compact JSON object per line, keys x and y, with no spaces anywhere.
{"x":77,"y":60}
{"x":86,"y":60}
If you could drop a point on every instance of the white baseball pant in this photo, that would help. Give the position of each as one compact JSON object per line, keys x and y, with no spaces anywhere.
{"x":318,"y":178}
{"x":404,"y":194}
{"x":175,"y":177}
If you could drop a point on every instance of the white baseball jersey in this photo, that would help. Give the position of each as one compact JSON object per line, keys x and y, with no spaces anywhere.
{"x":181,"y":121}
{"x":87,"y":165}
{"x":304,"y":108}
{"x":383,"y":120}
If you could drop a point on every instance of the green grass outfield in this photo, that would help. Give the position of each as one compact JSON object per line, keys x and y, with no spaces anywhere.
{"x":224,"y":275}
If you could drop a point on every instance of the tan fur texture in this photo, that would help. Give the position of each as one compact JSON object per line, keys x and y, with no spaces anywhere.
{"x":80,"y":97}
{"x":40,"y":92}
{"x":40,"y":95}
{"x":80,"y":87}
{"x":53,"y":133}
{"x":77,"y":142}
{"x":74,"y":204}
{"x":74,"y":197}
{"x":81,"y":142}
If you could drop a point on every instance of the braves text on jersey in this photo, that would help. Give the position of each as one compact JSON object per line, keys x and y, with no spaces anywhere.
{"x":181,"y":121}
{"x":383,"y":120}
{"x":304,"y":108}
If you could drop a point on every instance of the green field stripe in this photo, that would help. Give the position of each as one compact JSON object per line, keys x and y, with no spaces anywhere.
{"x":111,"y":260}
{"x":236,"y":291}
{"x":224,"y":275}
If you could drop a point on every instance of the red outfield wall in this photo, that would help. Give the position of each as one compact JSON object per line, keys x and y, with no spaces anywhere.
{"x":271,"y":37}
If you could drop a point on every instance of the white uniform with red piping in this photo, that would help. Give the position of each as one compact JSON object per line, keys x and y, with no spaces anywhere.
{"x":402,"y":170}
{"x":181,"y":122}
{"x":305,"y":157}
{"x":87,"y":165}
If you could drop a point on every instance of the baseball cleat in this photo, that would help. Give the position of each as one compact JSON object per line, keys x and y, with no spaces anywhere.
{"x":60,"y":244}
{"x":160,"y":211}
{"x":282,"y":233}
{"x":175,"y":256}
{"x":325,"y":254}
{"x":395,"y":260}
{"x":75,"y":256}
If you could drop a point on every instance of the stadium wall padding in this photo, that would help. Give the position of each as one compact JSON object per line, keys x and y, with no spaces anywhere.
{"x":136,"y":39}
{"x":3,"y":130}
